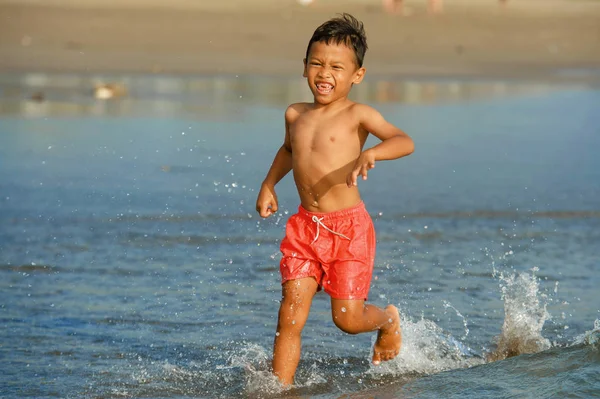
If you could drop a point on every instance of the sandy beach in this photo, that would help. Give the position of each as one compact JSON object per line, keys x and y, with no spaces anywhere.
{"x":526,"y":38}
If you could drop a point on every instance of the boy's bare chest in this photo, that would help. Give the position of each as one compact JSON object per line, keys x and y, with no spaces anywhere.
{"x":323,"y":134}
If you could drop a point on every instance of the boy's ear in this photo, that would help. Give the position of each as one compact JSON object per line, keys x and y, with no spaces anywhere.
{"x":359,"y":75}
{"x":304,"y":73}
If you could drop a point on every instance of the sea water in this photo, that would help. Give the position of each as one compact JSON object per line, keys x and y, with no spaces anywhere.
{"x":133,"y":263}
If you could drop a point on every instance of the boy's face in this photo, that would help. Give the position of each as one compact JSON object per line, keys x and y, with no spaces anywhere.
{"x":331,"y":70}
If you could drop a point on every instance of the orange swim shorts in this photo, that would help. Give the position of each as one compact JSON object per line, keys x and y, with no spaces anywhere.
{"x":337,"y":249}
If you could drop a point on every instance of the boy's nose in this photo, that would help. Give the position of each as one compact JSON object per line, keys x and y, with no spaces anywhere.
{"x":324,"y":72}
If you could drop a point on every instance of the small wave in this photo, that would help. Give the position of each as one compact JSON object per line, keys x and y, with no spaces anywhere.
{"x":492,"y":214}
{"x":177,"y":218}
{"x":31,"y":268}
{"x":142,"y":240}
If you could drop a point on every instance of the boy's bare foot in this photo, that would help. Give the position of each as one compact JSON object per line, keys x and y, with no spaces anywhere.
{"x":389,"y":338}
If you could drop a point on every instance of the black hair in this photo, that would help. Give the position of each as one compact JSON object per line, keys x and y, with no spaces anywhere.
{"x":344,"y":29}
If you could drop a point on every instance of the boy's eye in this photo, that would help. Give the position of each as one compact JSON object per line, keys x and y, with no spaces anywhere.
{"x":337,"y":67}
{"x":315,"y":63}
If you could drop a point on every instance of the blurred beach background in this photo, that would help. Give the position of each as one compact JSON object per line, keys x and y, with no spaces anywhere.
{"x":134,"y":135}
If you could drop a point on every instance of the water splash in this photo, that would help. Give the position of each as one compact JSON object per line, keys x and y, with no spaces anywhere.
{"x":254,"y":359}
{"x":260,"y":381}
{"x":448,"y":305}
{"x":524,"y":317}
{"x":590,"y":337}
{"x":427,"y":349}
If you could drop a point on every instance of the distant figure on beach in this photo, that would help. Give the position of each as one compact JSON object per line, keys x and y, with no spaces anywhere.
{"x":330,"y":243}
{"x":396,"y":6}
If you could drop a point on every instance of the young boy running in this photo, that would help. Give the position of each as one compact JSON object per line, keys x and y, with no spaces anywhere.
{"x":330,"y":243}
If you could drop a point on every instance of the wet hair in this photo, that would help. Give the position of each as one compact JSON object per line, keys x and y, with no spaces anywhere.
{"x":346,"y":30}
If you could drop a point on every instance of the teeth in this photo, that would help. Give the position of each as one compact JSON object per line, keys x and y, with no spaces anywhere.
{"x":324,"y":86}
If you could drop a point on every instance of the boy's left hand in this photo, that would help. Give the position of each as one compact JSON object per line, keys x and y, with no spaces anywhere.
{"x":365,"y":161}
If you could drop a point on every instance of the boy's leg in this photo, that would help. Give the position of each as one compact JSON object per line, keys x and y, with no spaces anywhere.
{"x":293,"y":313}
{"x":354,"y":317}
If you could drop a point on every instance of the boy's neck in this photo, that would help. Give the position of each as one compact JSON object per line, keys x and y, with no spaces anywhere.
{"x":340,"y":102}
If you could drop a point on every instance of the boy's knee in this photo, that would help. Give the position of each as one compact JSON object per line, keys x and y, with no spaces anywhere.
{"x":344,"y":325}
{"x":291,"y":316}
{"x":289,"y":325}
{"x":345,"y":320}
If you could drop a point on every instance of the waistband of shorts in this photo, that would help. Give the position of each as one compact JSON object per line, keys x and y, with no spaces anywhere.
{"x":335,"y":215}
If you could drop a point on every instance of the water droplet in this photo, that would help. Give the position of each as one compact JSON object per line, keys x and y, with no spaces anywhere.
{"x":293,"y":321}
{"x":277,"y":334}
{"x":344,"y":310}
{"x":390,"y":320}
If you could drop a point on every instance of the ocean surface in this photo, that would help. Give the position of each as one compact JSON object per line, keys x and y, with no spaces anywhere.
{"x":133,"y":263}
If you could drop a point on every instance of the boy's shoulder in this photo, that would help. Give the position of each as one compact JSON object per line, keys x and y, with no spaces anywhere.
{"x":299,"y":107}
{"x":364,"y":112}
{"x":361,"y":108}
{"x":293,"y":111}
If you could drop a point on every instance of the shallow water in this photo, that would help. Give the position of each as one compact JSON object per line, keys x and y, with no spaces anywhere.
{"x":132,"y":263}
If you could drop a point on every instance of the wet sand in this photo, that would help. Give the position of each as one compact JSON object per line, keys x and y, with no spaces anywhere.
{"x":527,"y":38}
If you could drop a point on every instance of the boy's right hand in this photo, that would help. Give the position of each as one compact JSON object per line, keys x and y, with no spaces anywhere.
{"x":266,"y":203}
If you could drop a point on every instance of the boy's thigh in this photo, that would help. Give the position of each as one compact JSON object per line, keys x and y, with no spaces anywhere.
{"x":297,"y":300}
{"x":299,"y":289}
{"x":350,"y":306}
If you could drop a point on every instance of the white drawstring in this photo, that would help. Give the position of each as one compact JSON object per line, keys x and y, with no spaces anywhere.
{"x":319,"y":222}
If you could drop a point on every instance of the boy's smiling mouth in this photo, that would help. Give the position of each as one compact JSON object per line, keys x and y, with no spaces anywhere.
{"x":324,"y":88}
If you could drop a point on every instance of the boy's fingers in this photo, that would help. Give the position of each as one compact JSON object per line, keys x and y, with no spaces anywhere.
{"x":364,"y":172}
{"x":263,"y":210}
{"x":266,"y":213}
{"x":353,"y":177}
{"x":349,"y":180}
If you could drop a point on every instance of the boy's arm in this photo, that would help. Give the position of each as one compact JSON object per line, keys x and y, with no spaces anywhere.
{"x":394,"y":143}
{"x":266,"y":203}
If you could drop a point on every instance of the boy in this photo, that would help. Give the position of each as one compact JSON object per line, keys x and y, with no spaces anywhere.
{"x":330,"y":242}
